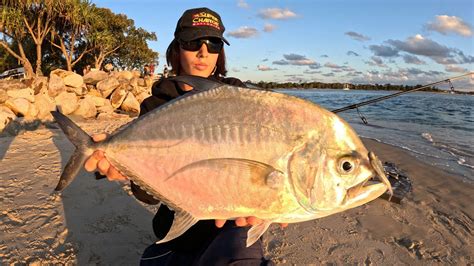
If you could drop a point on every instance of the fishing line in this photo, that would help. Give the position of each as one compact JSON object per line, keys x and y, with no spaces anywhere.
{"x":371,"y":101}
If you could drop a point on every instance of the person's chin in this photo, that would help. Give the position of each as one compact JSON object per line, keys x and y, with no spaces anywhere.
{"x":200,"y":73}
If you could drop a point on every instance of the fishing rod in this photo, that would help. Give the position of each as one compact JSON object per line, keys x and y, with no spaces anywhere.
{"x":357,"y":105}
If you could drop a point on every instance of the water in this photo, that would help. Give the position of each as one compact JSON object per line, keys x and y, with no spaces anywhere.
{"x":436,"y":128}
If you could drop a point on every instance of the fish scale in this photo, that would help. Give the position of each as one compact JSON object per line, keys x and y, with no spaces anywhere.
{"x":228,"y":152}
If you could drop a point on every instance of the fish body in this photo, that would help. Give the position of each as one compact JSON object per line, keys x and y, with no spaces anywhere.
{"x":229,"y":152}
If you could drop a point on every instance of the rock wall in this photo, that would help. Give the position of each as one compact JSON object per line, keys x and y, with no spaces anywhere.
{"x":95,"y":94}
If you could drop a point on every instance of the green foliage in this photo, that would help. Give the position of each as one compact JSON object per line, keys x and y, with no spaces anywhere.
{"x":114,"y":36}
{"x":135,"y":52}
{"x":69,"y":34}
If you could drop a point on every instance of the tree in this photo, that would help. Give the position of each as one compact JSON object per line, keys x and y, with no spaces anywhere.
{"x":76,"y":28}
{"x":13,"y":35}
{"x":107,"y":34}
{"x":70,"y":30}
{"x":136,"y":41}
{"x":28,"y":18}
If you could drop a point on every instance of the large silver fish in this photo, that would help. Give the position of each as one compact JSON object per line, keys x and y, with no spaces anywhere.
{"x":227,"y":152}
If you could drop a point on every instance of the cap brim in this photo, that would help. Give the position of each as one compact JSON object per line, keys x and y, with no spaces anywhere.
{"x":193,"y":35}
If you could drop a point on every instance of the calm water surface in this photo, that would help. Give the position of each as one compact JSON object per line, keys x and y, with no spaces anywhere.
{"x":437,"y":128}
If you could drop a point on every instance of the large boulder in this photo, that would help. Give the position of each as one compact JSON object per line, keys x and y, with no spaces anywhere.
{"x":66,"y":102}
{"x":142,"y":96}
{"x":6,"y":117}
{"x":44,"y":104}
{"x":13,"y":84}
{"x":20,"y":106}
{"x":127,"y":75}
{"x":3,"y":96}
{"x":86,"y":108}
{"x":148,"y":82}
{"x":98,"y":101}
{"x":117,"y":97}
{"x":55,"y":85}
{"x":95,"y":76}
{"x":26,"y":93}
{"x":106,"y":108}
{"x":39,"y":85}
{"x":130,"y":104}
{"x":107,"y":86}
{"x":69,"y":78}
{"x":79,"y":91}
{"x":94,"y":92}
{"x":136,"y":73}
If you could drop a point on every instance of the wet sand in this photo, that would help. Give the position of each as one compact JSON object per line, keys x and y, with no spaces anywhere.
{"x":99,"y":222}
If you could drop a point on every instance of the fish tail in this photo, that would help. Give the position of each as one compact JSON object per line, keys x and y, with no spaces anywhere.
{"x":83,"y":143}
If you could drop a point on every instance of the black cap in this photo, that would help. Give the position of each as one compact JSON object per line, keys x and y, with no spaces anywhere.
{"x":198,"y":23}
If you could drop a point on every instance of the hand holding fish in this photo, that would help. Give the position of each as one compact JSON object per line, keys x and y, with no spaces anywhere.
{"x":98,"y":161}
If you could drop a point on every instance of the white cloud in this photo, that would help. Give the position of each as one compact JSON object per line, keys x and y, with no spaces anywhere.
{"x":244,"y":32}
{"x":421,"y":46}
{"x":297,"y":60}
{"x":405,"y":76}
{"x":445,"y":24}
{"x":411,"y":59}
{"x":383,"y":50}
{"x":269,"y":27}
{"x":265,"y":68}
{"x":242,"y":4}
{"x":357,"y":36}
{"x":276,"y":13}
{"x":332,"y":65}
{"x":376,"y":61}
{"x":352,"y":53}
{"x":453,"y":68}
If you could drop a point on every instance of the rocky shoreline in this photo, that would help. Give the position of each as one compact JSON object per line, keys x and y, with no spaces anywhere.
{"x":28,"y":103}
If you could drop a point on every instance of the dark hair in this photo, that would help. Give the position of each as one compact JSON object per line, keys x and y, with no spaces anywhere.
{"x":173,"y":60}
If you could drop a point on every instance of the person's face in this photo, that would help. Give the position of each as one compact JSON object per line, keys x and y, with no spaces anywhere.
{"x":198,"y":63}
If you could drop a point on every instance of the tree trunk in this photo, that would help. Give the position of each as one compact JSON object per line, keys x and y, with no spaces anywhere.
{"x":39,"y":55}
{"x":29,"y":73}
{"x":28,"y":69}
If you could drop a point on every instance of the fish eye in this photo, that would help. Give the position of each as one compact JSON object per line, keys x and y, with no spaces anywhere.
{"x":347,"y":165}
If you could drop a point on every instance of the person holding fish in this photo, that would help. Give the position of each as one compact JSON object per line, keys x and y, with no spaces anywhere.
{"x":198,"y":50}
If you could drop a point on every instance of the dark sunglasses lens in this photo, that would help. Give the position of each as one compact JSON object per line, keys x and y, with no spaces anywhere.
{"x":192,"y":46}
{"x":213,"y":46}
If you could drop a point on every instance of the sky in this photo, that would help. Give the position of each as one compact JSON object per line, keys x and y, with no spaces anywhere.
{"x":368,"y":41}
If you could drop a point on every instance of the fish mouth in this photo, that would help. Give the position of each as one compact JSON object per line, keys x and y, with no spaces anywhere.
{"x":369,"y":189}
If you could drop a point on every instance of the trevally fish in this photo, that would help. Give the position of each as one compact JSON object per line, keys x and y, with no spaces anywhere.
{"x":224,"y":152}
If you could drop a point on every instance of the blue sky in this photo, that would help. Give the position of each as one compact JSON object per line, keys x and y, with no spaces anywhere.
{"x":367,"y":41}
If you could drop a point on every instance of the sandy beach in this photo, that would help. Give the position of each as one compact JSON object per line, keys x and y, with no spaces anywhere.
{"x":100,"y":223}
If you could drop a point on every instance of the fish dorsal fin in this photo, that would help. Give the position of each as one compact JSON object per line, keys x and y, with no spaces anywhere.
{"x":256,"y":232}
{"x":181,"y":223}
{"x":258,"y":172}
{"x":198,"y":83}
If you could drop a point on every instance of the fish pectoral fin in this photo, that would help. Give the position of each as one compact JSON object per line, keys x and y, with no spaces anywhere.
{"x":258,"y":172}
{"x":181,"y":223}
{"x":256,"y":231}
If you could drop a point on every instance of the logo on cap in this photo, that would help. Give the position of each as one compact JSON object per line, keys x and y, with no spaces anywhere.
{"x":206,"y":19}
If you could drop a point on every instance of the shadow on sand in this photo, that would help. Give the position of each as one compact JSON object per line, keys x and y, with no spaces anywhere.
{"x":106,"y":225}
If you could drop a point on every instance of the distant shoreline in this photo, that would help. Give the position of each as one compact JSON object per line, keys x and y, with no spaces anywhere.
{"x":433,"y":91}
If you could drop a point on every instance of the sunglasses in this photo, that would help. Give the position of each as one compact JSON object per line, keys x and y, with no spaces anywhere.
{"x":214,"y":45}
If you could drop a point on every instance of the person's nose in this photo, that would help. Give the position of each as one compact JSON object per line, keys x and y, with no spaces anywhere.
{"x":203,"y":52}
